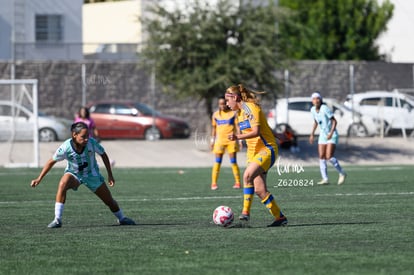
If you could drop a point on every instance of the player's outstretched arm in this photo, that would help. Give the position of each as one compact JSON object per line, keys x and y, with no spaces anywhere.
{"x":49,"y":164}
{"x":105,"y":159}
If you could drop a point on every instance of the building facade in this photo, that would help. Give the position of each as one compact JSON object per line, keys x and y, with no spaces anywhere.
{"x":41,"y":30}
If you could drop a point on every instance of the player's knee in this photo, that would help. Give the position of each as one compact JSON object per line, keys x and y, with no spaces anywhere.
{"x":64,"y":186}
{"x":247,"y":179}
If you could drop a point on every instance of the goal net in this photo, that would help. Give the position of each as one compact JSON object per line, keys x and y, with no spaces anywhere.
{"x":19,"y":138}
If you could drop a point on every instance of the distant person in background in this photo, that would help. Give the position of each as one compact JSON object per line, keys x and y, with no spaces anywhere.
{"x":224,"y":123}
{"x":328,"y":138}
{"x":287,"y":138}
{"x":83,"y":115}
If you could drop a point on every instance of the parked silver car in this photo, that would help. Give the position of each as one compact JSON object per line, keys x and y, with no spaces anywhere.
{"x":22,"y":123}
{"x":295,"y":111}
{"x":394,"y":109}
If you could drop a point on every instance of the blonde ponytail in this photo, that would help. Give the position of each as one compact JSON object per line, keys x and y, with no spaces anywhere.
{"x":244,"y":94}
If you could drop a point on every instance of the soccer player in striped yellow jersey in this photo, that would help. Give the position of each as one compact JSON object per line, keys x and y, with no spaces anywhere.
{"x":224,"y":123}
{"x":262,"y":151}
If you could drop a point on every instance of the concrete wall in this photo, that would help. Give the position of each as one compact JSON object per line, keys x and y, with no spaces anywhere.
{"x":60,"y":84}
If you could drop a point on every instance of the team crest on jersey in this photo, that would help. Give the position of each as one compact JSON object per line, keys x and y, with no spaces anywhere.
{"x":249,"y":116}
{"x":261,"y":155}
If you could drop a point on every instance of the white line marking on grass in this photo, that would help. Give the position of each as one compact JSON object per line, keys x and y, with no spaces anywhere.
{"x":186,"y":198}
{"x":144,"y":199}
{"x":375,"y":168}
{"x":367,"y":194}
{"x":363,"y":168}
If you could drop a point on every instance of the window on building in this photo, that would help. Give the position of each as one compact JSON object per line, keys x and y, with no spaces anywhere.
{"x":49,"y":28}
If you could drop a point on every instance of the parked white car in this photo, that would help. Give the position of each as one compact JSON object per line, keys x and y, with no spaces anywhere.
{"x":50,"y":128}
{"x":394,"y":109}
{"x":295,"y":111}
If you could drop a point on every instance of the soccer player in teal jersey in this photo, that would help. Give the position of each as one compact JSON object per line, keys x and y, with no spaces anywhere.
{"x":328,"y":138}
{"x":82,"y":168}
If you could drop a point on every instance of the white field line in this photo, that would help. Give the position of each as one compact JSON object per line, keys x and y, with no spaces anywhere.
{"x":183,"y":170}
{"x":129,"y":200}
{"x":367,"y":194}
{"x":212,"y":198}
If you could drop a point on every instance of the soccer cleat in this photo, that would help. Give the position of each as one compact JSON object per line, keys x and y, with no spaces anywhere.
{"x":127,"y":221}
{"x":56,"y":223}
{"x":323,"y":182}
{"x":236,"y":186}
{"x":341,"y":178}
{"x":214,"y":187}
{"x":244,"y":217}
{"x":282,"y":221}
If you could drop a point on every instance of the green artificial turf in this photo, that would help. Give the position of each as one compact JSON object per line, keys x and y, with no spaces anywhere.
{"x":365,"y":226}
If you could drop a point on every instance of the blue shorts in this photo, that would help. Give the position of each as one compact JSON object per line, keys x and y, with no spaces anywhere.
{"x":92,"y":182}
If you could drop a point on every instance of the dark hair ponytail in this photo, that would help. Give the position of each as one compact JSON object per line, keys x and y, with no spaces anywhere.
{"x":77,"y":127}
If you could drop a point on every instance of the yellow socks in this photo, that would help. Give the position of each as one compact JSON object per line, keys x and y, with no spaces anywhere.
{"x":271,"y":204}
{"x":215,"y":173}
{"x":236,"y":172}
{"x":248,"y":193}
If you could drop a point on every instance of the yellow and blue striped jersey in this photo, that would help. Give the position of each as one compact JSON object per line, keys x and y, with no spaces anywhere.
{"x":249,"y":116}
{"x":225,"y":123}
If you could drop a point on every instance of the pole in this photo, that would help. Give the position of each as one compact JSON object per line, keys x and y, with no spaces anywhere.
{"x":154,"y":132}
{"x":287,"y":94}
{"x":36,"y":123}
{"x":83,"y":84}
{"x":352,"y":88}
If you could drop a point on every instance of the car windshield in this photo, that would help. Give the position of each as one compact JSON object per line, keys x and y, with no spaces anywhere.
{"x":145,"y":110}
{"x":410,"y":97}
{"x":344,"y":108}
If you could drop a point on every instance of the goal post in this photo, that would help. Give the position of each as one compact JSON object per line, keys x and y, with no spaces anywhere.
{"x":19,"y":134}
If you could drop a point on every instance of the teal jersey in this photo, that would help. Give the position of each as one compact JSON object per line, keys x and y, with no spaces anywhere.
{"x":83,"y":164}
{"x":323,"y":118}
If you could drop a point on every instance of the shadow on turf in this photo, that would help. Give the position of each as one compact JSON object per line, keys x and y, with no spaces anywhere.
{"x":330,"y":223}
{"x":247,"y":225}
{"x":232,"y":226}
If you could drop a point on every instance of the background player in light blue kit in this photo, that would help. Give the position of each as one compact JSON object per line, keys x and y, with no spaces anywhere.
{"x":82,"y":168}
{"x":328,"y":138}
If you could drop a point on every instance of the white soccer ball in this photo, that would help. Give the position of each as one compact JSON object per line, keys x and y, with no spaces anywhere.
{"x":223,"y":216}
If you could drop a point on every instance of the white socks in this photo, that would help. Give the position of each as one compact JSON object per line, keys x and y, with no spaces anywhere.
{"x":324,"y":168}
{"x":60,"y":206}
{"x":59,"y":210}
{"x":335,"y":163}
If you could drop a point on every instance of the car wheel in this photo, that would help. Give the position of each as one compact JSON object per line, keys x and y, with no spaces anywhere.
{"x":47,"y":135}
{"x":357,"y":130}
{"x":152,"y":133}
